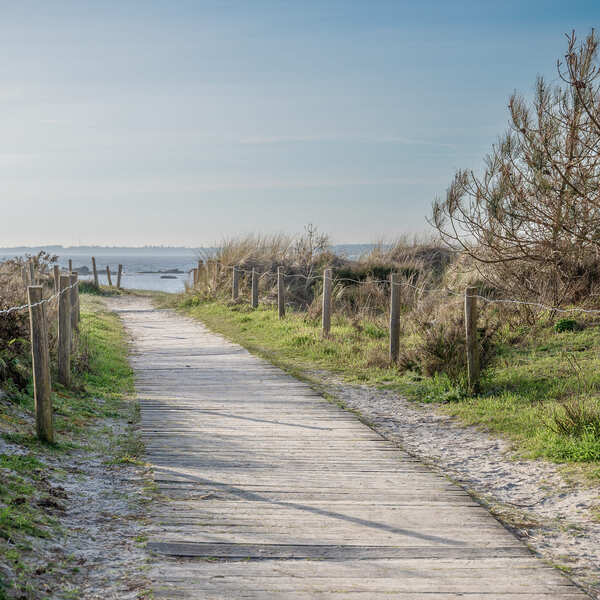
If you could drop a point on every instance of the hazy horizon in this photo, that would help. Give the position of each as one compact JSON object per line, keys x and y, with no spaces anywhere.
{"x":131,"y":123}
{"x":84,"y":248}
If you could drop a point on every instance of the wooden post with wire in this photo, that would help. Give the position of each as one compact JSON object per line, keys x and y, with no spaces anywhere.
{"x":119,"y":276}
{"x":95,"y":270}
{"x":64,"y":331}
{"x":280,"y":292}
{"x":70,"y":265}
{"x":56,"y":270}
{"x":471,"y":338}
{"x":108,"y":277}
{"x":235,"y":283}
{"x":326,"y":319}
{"x":254,"y":288}
{"x":40,"y":354}
{"x":394,"y":317}
{"x":194,"y":278}
{"x":74,"y":292}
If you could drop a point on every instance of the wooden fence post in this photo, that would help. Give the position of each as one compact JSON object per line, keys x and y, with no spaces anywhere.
{"x":56,"y":270}
{"x":211,"y":271}
{"x":31,"y":266}
{"x":394,"y":317}
{"x":235,"y":284}
{"x":119,"y":275}
{"x":254,"y":288}
{"x":194,"y":278}
{"x":108,"y":277}
{"x":280,"y":292}
{"x":41,"y":364}
{"x":200,"y":272}
{"x":74,"y":292}
{"x":95,"y":272}
{"x":70,"y":265}
{"x":77,"y":302}
{"x":207,"y":269}
{"x":64,"y":331}
{"x":326,"y":301}
{"x":471,"y":338}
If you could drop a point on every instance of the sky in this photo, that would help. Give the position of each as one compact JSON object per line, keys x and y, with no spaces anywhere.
{"x":184,"y":123}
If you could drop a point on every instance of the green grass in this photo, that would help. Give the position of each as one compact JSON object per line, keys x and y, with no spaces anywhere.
{"x":101,"y":387}
{"x":296,"y":342}
{"x":536,"y":371}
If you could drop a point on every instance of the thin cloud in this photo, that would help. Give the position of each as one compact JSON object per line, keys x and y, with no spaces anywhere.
{"x":383,"y":139}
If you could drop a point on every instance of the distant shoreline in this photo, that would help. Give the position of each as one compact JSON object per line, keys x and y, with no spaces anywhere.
{"x":75,"y":251}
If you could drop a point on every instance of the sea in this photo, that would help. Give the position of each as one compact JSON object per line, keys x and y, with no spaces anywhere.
{"x":144,"y":268}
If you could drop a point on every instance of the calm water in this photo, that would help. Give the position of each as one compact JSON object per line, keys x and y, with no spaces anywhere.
{"x":132,"y":266}
{"x":136,"y":262}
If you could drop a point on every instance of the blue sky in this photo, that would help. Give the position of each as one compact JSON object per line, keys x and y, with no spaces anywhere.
{"x":185,"y":122}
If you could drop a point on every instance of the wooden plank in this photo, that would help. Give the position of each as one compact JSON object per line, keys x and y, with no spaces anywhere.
{"x":329,"y":552}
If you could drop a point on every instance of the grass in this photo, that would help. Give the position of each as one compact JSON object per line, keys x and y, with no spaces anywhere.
{"x":536,"y":375}
{"x":296,"y":342}
{"x":102,"y":384}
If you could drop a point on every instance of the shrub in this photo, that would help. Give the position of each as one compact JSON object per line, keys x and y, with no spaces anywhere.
{"x":438,"y":342}
{"x":566,"y":324}
{"x":15,"y":361}
{"x":88,"y":287}
{"x":577,"y":417}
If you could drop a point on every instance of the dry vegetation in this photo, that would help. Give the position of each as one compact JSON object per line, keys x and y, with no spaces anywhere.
{"x":15,"y":361}
{"x":432,"y":314}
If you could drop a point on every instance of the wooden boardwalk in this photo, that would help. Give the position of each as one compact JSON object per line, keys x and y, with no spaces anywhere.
{"x":272,"y":492}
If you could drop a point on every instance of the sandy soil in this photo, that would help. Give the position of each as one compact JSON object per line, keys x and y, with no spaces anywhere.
{"x":97,"y":554}
{"x":558,"y":518}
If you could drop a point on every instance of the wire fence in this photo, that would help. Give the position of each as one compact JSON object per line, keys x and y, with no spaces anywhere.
{"x":55,"y":296}
{"x":422,"y":289}
{"x":66,"y":295}
{"x":208,"y":273}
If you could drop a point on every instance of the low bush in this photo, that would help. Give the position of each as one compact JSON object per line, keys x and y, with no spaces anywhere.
{"x":15,"y":360}
{"x":565,"y":325}
{"x":578,"y":417}
{"x":437,"y":341}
